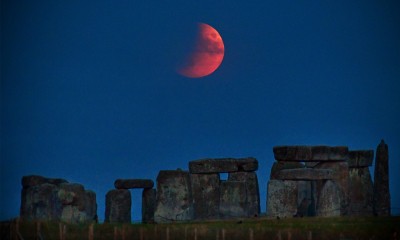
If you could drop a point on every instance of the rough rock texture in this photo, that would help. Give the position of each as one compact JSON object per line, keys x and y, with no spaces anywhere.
{"x":306,"y":197}
{"x":205,"y":189}
{"x":133,"y":183}
{"x":329,"y":204}
{"x":252,"y":191}
{"x":56,"y":199}
{"x":118,"y":206}
{"x":361,"y":192}
{"x":310,"y":153}
{"x":221,"y":165}
{"x":282,"y":198}
{"x":148,"y":205}
{"x":174,"y":197}
{"x":381,"y":198}
{"x":362,"y":158}
{"x":342,"y":180}
{"x":305,"y":174}
{"x":233,"y":202}
{"x":277,"y":166}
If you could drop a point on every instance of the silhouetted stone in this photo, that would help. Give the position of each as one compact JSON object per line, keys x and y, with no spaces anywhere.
{"x":174,"y":197}
{"x":361,"y":191}
{"x":282,"y":198}
{"x":56,"y":199}
{"x":252,"y":191}
{"x":221,"y":165}
{"x":361,"y":158}
{"x":133,"y":183}
{"x":306,"y":191}
{"x":342,"y":179}
{"x":205,"y":189}
{"x":233,"y":202}
{"x":305,"y":174}
{"x":329,"y":202}
{"x":381,"y":198}
{"x":277,"y":166}
{"x":310,"y":153}
{"x":34,"y":180}
{"x":118,"y":206}
{"x":148,"y":205}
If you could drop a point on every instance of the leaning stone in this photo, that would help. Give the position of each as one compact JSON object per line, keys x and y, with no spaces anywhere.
{"x":381,"y":199}
{"x":328,"y":204}
{"x":233,"y":202}
{"x":361,"y":158}
{"x":277,"y":166}
{"x":174,"y":197}
{"x":118,"y":206}
{"x":205,"y":189}
{"x":133,"y":183}
{"x":221,"y":165}
{"x":305,"y":174}
{"x":310,"y":153}
{"x":282,"y":198}
{"x":148,"y":205}
{"x":361,"y":192}
{"x":252,"y":191}
{"x":40,"y":202}
{"x":34,"y":180}
{"x":341,"y":179}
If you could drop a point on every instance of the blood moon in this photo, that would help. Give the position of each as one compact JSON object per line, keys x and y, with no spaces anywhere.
{"x":207,"y":54}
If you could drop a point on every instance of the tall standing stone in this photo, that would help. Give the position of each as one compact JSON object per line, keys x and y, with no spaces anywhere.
{"x":381,"y":199}
{"x":174,"y":197}
{"x":233,"y":202}
{"x":329,"y":204}
{"x":205,"y":189}
{"x":118,"y":206}
{"x":252,"y":191}
{"x":148,"y":205}
{"x":282,"y":198}
{"x":361,"y":192}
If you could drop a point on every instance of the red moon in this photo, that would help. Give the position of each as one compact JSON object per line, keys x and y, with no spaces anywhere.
{"x":207,"y":55}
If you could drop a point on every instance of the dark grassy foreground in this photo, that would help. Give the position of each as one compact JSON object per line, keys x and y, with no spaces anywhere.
{"x":295,"y":228}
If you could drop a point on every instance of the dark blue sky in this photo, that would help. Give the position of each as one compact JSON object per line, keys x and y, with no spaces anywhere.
{"x":89,"y":91}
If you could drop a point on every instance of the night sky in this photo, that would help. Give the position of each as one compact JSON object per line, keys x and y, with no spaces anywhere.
{"x":90,"y":92}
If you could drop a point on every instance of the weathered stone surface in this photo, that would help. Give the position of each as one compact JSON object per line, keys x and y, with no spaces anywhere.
{"x":233,"y":202}
{"x":361,"y":158}
{"x":305,"y":174}
{"x":342,"y":180}
{"x":205,"y":189}
{"x":222,"y":165}
{"x":381,"y":198}
{"x":174,"y":197}
{"x":306,"y":197}
{"x":118,"y":206}
{"x":34,"y":180}
{"x":310,"y":153}
{"x":56,"y":199}
{"x":133,"y":183}
{"x":148,"y":205}
{"x":252,"y":191}
{"x":282,"y":198}
{"x":277,"y":166}
{"x":329,"y":202}
{"x":361,"y":192}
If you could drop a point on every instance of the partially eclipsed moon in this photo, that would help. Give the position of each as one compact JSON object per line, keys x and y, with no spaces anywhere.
{"x":207,"y":54}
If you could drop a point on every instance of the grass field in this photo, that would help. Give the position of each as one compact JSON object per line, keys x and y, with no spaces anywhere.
{"x":253,"y":229}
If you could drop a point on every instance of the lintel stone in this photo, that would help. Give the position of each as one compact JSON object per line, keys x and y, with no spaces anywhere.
{"x":305,"y":174}
{"x":310,"y":153}
{"x":221,"y":165}
{"x":133,"y":183}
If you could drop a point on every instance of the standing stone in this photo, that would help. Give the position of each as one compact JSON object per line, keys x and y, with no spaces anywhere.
{"x":233,"y":202}
{"x":342,"y":179}
{"x":174,"y":197}
{"x":148,"y":205}
{"x":252,"y":191}
{"x":91,"y":206}
{"x":306,"y":198}
{"x":282,"y":198}
{"x":205,"y":189}
{"x":118,"y":206}
{"x":381,"y":198}
{"x":361,"y":192}
{"x":329,"y":204}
